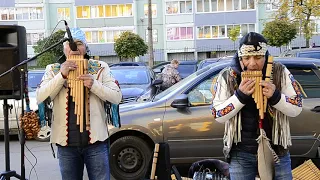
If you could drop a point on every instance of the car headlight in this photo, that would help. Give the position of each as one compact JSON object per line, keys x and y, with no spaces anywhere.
{"x":145,"y":97}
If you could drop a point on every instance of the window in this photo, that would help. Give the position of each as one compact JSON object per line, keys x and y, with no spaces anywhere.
{"x":308,"y":81}
{"x":220,"y":5}
{"x":222,"y":31}
{"x":224,"y":5}
{"x":185,"y":6}
{"x":118,"y":10}
{"x":33,"y":38}
{"x":204,"y":32}
{"x":153,"y":8}
{"x":36,"y":13}
{"x":108,"y":36}
{"x":229,"y":5}
{"x":179,"y":33}
{"x":272,"y":5}
{"x":63,"y":14}
{"x":179,"y":7}
{"x":172,"y":7}
{"x":97,"y":11}
{"x":83,"y":12}
{"x":7,"y":13}
{"x":236,"y":5}
{"x":202,"y":93}
{"x":154,"y":35}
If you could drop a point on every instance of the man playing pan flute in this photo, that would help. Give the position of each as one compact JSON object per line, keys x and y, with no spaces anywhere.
{"x":233,"y":105}
{"x":77,"y":148}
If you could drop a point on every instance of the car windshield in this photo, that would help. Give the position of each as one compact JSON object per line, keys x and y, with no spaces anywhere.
{"x":310,"y":55}
{"x":185,"y":70}
{"x":34,"y":78}
{"x":130,"y":76}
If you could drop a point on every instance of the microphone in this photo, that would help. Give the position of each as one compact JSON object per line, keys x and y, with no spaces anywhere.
{"x":72,"y":45}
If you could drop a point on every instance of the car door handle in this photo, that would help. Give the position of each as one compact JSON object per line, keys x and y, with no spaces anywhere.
{"x":316,"y":109}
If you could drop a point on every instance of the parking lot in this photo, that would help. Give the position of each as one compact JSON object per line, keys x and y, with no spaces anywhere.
{"x":44,"y":164}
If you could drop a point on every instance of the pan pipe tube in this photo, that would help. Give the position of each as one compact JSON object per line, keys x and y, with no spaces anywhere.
{"x":80,"y":94}
{"x":257,"y":94}
{"x":267,"y":79}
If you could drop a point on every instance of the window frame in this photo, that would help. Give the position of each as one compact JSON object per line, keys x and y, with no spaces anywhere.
{"x":188,"y":39}
{"x":179,"y":8}
{"x":226,"y":30}
{"x":225,"y":6}
{"x":129,"y":12}
{"x":64,"y":13}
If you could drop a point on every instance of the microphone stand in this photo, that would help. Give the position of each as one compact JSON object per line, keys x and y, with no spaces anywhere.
{"x":11,"y":173}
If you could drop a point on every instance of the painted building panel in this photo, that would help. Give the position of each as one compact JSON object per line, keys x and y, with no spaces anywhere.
{"x":7,"y":3}
{"x":8,"y":22}
{"x":177,"y":19}
{"x":102,"y":49}
{"x":157,"y":21}
{"x":57,"y":12}
{"x":239,"y":17}
{"x":105,"y":22}
{"x":224,"y":44}
{"x":180,"y":46}
{"x":99,"y":2}
{"x":27,"y":1}
{"x":33,"y":25}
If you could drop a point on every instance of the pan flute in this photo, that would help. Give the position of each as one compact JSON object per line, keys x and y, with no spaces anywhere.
{"x":259,"y":98}
{"x":79,"y":93}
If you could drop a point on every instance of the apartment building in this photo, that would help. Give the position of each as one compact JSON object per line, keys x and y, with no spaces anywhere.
{"x":182,"y":29}
{"x":266,"y":12}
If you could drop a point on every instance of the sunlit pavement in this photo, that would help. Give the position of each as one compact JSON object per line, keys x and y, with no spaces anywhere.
{"x":46,"y":168}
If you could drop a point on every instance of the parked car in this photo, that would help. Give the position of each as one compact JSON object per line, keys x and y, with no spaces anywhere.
{"x":206,"y":62}
{"x":185,"y":68}
{"x":34,"y":78}
{"x":128,"y":64}
{"x":137,"y":83}
{"x":306,"y":53}
{"x":181,"y":117}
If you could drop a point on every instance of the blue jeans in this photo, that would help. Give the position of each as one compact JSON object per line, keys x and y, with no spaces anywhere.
{"x":94,"y":156}
{"x":244,"y":166}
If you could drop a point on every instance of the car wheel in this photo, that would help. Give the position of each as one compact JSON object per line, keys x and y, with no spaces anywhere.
{"x":44,"y":134}
{"x":129,"y":158}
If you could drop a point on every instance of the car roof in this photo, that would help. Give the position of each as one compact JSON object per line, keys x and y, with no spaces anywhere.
{"x":287,"y":61}
{"x":306,"y":50}
{"x":36,"y":71}
{"x":129,"y":64}
{"x":129,"y":67}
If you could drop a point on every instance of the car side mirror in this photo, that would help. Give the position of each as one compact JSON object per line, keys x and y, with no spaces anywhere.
{"x":157,"y":82}
{"x":157,"y":71}
{"x":180,"y":101}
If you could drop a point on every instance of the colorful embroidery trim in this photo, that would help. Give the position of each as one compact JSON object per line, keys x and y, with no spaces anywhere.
{"x":56,"y":68}
{"x":298,"y":99}
{"x":225,"y":110}
{"x":94,"y":67}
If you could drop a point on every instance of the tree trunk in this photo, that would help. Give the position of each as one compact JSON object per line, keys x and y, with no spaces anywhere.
{"x":307,"y":32}
{"x":150,"y":34}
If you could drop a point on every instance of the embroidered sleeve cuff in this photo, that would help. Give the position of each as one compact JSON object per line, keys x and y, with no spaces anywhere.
{"x":243,"y":98}
{"x":275,"y":98}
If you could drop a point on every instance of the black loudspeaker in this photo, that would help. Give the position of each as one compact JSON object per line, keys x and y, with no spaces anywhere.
{"x":13,"y":50}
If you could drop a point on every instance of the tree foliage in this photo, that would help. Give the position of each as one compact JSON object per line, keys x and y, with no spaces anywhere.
{"x":301,"y":12}
{"x":52,"y":55}
{"x":234,"y":34}
{"x":130,"y":45}
{"x":279,"y":32}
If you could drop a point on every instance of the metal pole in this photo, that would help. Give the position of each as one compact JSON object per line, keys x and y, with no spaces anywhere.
{"x":150,"y":35}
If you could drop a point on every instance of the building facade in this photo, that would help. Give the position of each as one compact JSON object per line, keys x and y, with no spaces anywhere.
{"x":182,"y":29}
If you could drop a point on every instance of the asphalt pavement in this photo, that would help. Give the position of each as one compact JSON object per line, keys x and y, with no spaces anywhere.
{"x":39,"y":161}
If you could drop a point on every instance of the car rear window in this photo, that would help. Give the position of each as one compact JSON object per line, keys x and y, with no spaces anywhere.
{"x":186,"y":69}
{"x":34,"y":78}
{"x":310,"y":54}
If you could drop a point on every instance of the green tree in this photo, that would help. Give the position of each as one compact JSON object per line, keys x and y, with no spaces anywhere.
{"x":301,"y":12}
{"x":130,"y":45}
{"x":279,"y":32}
{"x":52,"y":55}
{"x":234,"y":34}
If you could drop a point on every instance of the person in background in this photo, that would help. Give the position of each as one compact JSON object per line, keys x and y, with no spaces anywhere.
{"x":170,"y":75}
{"x":75,"y":148}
